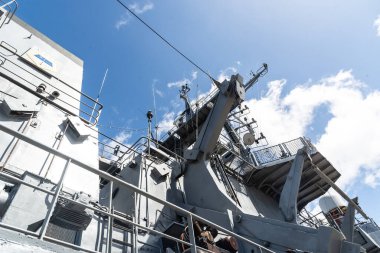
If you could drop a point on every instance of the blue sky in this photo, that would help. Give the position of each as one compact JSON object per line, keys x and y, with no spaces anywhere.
{"x":323,"y":59}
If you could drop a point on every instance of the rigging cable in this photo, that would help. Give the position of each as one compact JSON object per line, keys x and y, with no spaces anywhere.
{"x":121,"y":128}
{"x":167,"y":42}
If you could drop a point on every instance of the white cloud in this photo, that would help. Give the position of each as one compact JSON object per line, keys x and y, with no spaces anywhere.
{"x":194,"y":75}
{"x":160,"y":93}
{"x":123,"y":21}
{"x":178,"y":84}
{"x":226,"y":73}
{"x":138,"y":9}
{"x":122,"y":137}
{"x":166,"y":123}
{"x":376,"y":24}
{"x":351,"y":137}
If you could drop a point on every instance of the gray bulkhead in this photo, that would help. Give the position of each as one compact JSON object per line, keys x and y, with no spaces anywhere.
{"x":50,"y":116}
{"x":30,"y":61}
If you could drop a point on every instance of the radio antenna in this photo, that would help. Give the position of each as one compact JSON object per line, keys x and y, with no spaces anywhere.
{"x":154,"y":105}
{"x":100,"y":91}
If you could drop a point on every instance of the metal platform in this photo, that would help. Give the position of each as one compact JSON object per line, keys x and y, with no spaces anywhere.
{"x":271,"y":178}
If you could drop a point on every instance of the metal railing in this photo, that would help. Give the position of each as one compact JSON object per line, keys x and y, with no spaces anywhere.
{"x":321,"y":219}
{"x":195,"y":106}
{"x":11,"y":7}
{"x":281,"y":151}
{"x":107,"y":211}
{"x":236,"y":165}
{"x":120,"y":153}
{"x":89,"y":108}
{"x":312,"y":220}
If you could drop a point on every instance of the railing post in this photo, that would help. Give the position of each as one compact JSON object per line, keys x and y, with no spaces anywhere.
{"x":135,"y":232}
{"x":110,"y":220}
{"x":190,"y":227}
{"x":287,"y":149}
{"x":120,"y":183}
{"x":135,"y":229}
{"x":54,"y":201}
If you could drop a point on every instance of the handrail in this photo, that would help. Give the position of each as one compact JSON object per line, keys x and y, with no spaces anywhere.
{"x":122,"y":183}
{"x":194,"y":106}
{"x":97,"y":107}
{"x":137,"y":148}
{"x":11,"y":11}
{"x":280,"y":151}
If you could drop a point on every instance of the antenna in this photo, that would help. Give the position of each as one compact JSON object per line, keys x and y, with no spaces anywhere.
{"x":100,"y":91}
{"x":154,"y":105}
{"x":255,"y":76}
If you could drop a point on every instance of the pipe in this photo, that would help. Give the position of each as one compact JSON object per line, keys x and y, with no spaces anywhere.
{"x":147,"y":191}
{"x":15,"y":179}
{"x":109,"y":221}
{"x":190,"y":226}
{"x":59,"y":144}
{"x":336,"y":188}
{"x":27,"y":232}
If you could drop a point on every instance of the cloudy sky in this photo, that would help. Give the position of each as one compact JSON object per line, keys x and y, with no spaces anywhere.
{"x":323,"y":57}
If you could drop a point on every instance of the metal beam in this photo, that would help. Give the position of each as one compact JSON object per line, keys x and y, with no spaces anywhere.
{"x":289,"y":193}
{"x":120,"y":182}
{"x":336,"y":188}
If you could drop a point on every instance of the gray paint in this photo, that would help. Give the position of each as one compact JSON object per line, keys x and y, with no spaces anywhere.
{"x":289,"y":194}
{"x":13,"y":242}
{"x":266,"y":216}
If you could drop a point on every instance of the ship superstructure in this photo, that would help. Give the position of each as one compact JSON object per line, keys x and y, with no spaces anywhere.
{"x":211,"y":184}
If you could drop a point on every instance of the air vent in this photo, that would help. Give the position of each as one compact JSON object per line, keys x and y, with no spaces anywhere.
{"x":73,"y":215}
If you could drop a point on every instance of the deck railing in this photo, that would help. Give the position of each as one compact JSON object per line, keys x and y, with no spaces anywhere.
{"x":10,"y":7}
{"x":106,"y":210}
{"x":89,"y":108}
{"x":281,"y":151}
{"x":194,"y":107}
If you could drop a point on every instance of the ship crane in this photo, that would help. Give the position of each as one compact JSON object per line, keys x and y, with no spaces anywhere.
{"x":201,"y":189}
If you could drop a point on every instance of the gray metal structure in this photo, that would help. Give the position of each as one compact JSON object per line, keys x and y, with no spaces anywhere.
{"x":200,"y":188}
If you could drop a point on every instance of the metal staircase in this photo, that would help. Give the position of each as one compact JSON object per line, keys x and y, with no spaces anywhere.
{"x":275,"y":163}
